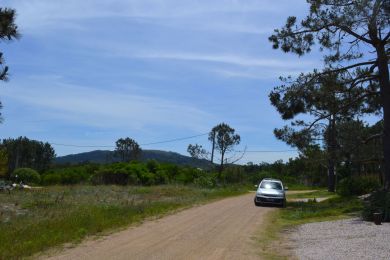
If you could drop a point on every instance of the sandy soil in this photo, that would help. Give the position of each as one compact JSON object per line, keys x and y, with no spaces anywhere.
{"x":220,"y":230}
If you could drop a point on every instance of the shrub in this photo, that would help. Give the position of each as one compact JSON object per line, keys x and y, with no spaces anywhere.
{"x":68,"y":175}
{"x":26,"y":175}
{"x":379,"y":201}
{"x":171,"y":170}
{"x":51,"y":179}
{"x":107,"y":176}
{"x":233,"y":174}
{"x":188,"y":175}
{"x":147,"y":178}
{"x":73,"y":177}
{"x":161,"y":177}
{"x":152,"y":166}
{"x":206,"y":181}
{"x":132,"y":179}
{"x":357,"y":185}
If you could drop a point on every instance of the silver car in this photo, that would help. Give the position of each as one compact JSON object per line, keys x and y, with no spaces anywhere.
{"x":271,"y":192}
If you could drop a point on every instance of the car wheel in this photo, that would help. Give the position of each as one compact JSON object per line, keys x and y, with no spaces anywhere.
{"x":258,"y":204}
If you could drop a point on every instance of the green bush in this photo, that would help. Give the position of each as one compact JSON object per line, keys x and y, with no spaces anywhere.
{"x":132,"y":179}
{"x":205,"y":181}
{"x":152,"y":166}
{"x":147,"y":178}
{"x":26,"y":175}
{"x":161,"y":177}
{"x":357,"y":185}
{"x":108,"y":176}
{"x":73,"y":177}
{"x":68,"y":175}
{"x":233,"y":174}
{"x":51,"y":179}
{"x":171,"y":170}
{"x":379,"y":201}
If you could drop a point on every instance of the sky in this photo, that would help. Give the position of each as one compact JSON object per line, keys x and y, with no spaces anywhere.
{"x":89,"y":72}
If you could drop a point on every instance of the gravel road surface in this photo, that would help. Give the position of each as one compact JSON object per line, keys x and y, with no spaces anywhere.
{"x":344,"y":239}
{"x":219,"y":230}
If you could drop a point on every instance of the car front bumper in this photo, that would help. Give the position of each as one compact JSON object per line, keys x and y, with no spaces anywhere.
{"x":269,"y":200}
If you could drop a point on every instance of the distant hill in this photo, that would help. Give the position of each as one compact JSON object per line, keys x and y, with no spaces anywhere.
{"x":105,"y":156}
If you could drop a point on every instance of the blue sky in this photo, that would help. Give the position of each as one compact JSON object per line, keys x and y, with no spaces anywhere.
{"x":89,"y":72}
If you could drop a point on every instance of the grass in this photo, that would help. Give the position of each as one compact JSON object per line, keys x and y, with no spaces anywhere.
{"x":299,"y":187}
{"x":311,"y":194}
{"x":333,"y":208}
{"x":298,"y":213}
{"x":33,"y":221}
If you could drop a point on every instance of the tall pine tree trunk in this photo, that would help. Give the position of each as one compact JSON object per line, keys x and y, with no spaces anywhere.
{"x":332,"y":154}
{"x":385,"y":97}
{"x":383,"y":69}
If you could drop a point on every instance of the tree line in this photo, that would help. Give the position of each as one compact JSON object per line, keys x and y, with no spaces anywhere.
{"x":354,"y":37}
{"x":24,"y":153}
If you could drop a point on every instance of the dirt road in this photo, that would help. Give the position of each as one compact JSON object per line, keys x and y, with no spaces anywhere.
{"x":220,"y":230}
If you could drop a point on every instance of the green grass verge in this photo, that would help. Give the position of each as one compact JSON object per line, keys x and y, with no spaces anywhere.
{"x":298,"y":213}
{"x":33,"y":221}
{"x":333,"y":208}
{"x":311,"y":195}
{"x":298,"y":187}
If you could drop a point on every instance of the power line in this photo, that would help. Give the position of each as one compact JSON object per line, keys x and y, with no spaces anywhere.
{"x":174,"y":140}
{"x":170,"y":141}
{"x":268,"y":151}
{"x":85,"y":146}
{"x":112,"y":146}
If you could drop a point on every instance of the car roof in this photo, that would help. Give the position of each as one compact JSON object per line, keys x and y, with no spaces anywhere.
{"x":270,"y":179}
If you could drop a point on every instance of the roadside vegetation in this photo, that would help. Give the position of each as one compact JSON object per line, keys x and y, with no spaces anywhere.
{"x":334,"y":101}
{"x":34,"y":220}
{"x":70,"y":202}
{"x":311,"y":194}
{"x":306,"y":207}
{"x":312,"y":211}
{"x":281,"y":222}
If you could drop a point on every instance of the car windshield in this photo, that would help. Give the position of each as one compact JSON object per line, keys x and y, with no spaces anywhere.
{"x":271,"y":185}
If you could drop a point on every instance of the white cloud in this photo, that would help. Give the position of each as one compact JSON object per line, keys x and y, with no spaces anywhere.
{"x":242,"y":58}
{"x":261,"y":73}
{"x":41,"y":14}
{"x":242,"y":74}
{"x":157,"y":45}
{"x":232,"y":59}
{"x":107,"y":108}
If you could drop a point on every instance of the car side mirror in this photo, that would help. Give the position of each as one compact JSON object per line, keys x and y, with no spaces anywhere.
{"x":256,"y":185}
{"x":285,"y":188}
